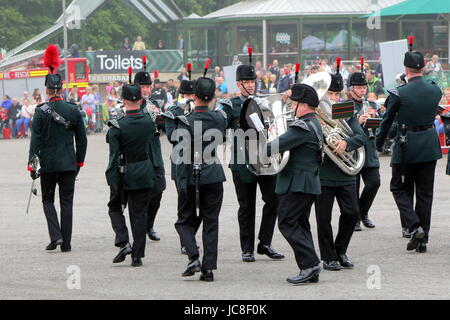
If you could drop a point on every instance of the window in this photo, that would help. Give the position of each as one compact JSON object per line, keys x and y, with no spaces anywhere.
{"x":80,"y":71}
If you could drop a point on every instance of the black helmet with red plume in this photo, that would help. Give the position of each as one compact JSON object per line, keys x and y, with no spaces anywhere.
{"x":51,"y":60}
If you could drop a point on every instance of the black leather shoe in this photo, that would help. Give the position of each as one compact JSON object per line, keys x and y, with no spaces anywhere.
{"x":416,"y":236}
{"x":54,"y":244}
{"x":193,"y":267}
{"x":123,"y":252}
{"x":367,"y":223}
{"x":406,"y":233}
{"x":136,"y":262}
{"x":207,"y":275}
{"x":422,"y":248}
{"x":248,"y":257}
{"x":307,"y":275}
{"x":152,"y":235}
{"x":183,"y":250}
{"x":331,"y":266}
{"x":345,"y":261}
{"x":270,"y":252}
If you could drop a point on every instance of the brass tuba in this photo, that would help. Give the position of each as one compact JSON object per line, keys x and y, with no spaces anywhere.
{"x":351,"y":163}
{"x":270,"y":117}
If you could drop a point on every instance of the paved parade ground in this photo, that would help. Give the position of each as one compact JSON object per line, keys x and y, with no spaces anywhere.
{"x":383,"y":267}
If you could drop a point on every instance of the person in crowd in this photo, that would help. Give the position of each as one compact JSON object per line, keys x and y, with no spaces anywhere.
{"x":260,"y":83}
{"x":171,"y":88}
{"x":433,"y":69}
{"x":245,"y":47}
{"x":74,"y":51}
{"x":139,"y":45}
{"x":285,"y":81}
{"x":275,"y":69}
{"x":26,"y":113}
{"x":183,"y":75}
{"x":273,"y":84}
{"x":88,"y":102}
{"x":216,"y":73}
{"x":221,"y":85}
{"x":13,"y":116}
{"x":74,"y":97}
{"x":260,"y":69}
{"x":180,"y":45}
{"x":7,"y":102}
{"x":374,"y":84}
{"x":126,"y":44}
{"x":38,"y":97}
{"x":160,"y":45}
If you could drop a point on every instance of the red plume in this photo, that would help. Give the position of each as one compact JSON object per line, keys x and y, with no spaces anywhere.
{"x":144,"y":59}
{"x":207,"y":64}
{"x":338,"y":63}
{"x":189,"y":67}
{"x":362,"y":64}
{"x":51,"y":58}
{"x":156,"y":74}
{"x":250,"y":51}
{"x":411,"y":42}
{"x":130,"y":74}
{"x":297,"y":67}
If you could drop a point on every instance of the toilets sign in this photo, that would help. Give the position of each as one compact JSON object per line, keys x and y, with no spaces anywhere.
{"x":117,"y":62}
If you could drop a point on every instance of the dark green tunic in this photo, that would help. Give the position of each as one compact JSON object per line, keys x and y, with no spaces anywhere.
{"x":233,"y":115}
{"x":211,"y":171}
{"x":131,"y":136}
{"x":301,"y":173}
{"x":413,"y":105}
{"x":53,"y":143}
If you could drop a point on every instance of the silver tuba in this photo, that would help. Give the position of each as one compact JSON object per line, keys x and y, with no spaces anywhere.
{"x":272,"y":117}
{"x":351,"y":162}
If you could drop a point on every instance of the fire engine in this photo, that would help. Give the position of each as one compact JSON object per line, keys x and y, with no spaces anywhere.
{"x":29,"y":74}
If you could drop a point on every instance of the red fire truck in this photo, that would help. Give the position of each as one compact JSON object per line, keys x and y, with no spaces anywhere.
{"x":29,"y":75}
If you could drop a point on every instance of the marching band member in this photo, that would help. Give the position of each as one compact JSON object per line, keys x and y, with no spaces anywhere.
{"x":299,"y":183}
{"x":337,"y":184}
{"x":416,"y":148}
{"x":370,"y":174}
{"x":245,"y":182}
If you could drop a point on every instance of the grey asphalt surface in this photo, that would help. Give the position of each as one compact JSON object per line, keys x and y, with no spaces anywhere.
{"x":29,"y":272}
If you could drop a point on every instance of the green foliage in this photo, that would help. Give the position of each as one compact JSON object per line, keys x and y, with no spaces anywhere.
{"x":105,"y":29}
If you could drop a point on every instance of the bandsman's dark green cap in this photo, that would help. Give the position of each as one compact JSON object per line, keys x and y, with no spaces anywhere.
{"x":131,"y":92}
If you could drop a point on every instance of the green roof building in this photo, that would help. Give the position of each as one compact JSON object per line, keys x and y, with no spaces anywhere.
{"x":301,"y":30}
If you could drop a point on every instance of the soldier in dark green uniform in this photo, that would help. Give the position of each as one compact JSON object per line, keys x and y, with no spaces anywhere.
{"x":178,"y":109}
{"x":336,"y":184}
{"x":416,"y":148}
{"x":370,"y":173}
{"x":55,"y":126}
{"x":299,"y":183}
{"x":192,"y":153}
{"x":130,"y":174}
{"x":246,"y":182}
{"x":149,"y":107}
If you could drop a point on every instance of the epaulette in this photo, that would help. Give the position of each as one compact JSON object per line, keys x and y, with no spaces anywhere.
{"x":394,"y":91}
{"x":223,"y":113}
{"x":114,"y":123}
{"x":168,"y":114}
{"x":300,"y":124}
{"x":226,"y":102}
{"x":40,"y":105}
{"x":184,"y":120}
